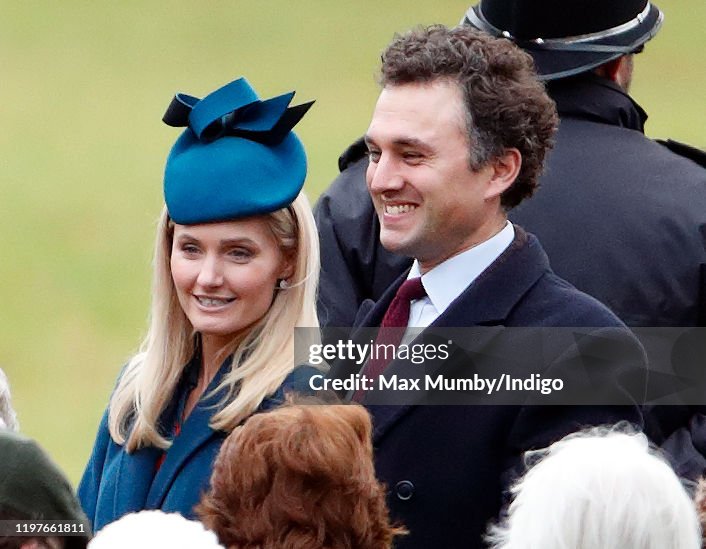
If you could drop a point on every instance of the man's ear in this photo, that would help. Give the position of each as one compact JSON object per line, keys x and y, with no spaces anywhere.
{"x":618,"y":70}
{"x":611,"y":69}
{"x":504,"y":171}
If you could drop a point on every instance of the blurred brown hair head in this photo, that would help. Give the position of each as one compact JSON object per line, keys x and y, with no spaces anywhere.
{"x":506,"y":106}
{"x":301,"y":476}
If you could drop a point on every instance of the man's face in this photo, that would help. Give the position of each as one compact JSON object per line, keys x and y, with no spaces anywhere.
{"x":430,"y":204}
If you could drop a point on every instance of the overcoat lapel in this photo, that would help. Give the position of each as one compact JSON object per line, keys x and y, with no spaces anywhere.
{"x":365,"y":307}
{"x":132,"y":483}
{"x":195,"y":432}
{"x":486,"y":302}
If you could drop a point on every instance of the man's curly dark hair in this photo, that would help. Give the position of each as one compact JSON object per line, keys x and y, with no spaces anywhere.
{"x":300,"y":476}
{"x":506,"y":106}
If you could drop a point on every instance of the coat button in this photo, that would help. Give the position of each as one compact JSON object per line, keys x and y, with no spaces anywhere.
{"x":404,"y":490}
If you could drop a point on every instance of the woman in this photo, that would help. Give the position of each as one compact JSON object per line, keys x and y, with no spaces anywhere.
{"x":235,"y":271}
{"x":299,"y":476}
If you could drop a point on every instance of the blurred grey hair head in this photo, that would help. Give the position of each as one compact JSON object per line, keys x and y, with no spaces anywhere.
{"x":8,"y":417}
{"x":700,"y":502}
{"x":154,"y":529}
{"x":604,"y":488}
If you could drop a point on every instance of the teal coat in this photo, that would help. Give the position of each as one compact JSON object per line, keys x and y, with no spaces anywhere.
{"x":116,"y":482}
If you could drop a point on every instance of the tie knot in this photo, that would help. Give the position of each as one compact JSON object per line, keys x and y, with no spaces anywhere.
{"x":411,"y":289}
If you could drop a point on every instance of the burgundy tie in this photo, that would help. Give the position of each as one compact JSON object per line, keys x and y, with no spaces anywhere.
{"x":396,"y":317}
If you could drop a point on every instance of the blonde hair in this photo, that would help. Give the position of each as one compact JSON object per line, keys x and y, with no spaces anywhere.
{"x":262,"y":359}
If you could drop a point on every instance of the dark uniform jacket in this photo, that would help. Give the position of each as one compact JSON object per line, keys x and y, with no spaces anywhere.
{"x":446,"y":466}
{"x":622,"y":217}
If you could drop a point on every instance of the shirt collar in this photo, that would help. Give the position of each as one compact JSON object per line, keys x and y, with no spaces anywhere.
{"x":446,"y":281}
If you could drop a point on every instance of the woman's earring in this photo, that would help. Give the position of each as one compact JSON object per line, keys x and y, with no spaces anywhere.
{"x":283,"y":284}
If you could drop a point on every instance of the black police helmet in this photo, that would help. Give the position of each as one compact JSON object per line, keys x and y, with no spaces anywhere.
{"x":569,"y":37}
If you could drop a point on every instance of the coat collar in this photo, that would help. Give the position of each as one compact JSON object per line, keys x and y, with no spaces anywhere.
{"x":493,"y":294}
{"x":497,"y":290}
{"x":591,"y":97}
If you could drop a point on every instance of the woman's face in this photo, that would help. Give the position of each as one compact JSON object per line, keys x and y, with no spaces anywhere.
{"x":225,"y":274}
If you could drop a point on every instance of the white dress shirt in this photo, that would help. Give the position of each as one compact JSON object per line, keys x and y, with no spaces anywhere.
{"x":449,"y":279}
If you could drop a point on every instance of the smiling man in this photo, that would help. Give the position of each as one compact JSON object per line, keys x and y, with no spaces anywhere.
{"x":457,"y":138}
{"x":432,"y":201}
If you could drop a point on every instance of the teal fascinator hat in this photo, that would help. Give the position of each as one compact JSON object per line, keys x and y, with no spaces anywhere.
{"x":237,"y":157}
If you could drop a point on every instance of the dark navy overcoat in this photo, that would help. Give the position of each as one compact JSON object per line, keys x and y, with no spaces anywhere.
{"x":446,"y":467}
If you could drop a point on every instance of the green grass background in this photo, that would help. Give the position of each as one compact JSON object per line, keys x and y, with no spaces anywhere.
{"x":83,"y":86}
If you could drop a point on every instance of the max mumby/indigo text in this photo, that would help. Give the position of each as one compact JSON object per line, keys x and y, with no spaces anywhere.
{"x":503,"y":383}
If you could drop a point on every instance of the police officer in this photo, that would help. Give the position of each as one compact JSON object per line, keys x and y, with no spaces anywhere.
{"x":621,"y":216}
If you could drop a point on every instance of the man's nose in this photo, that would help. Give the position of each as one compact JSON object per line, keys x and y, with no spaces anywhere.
{"x":384,"y":175}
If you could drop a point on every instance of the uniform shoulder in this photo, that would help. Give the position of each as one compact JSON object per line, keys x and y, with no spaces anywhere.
{"x":688,"y":151}
{"x":347,"y":196}
{"x":355,"y":152}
